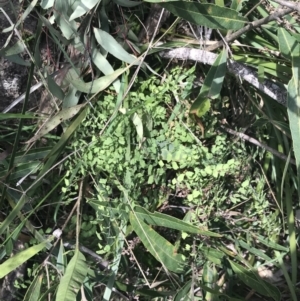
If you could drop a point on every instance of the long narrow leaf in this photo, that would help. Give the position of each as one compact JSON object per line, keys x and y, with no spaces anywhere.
{"x":294,"y":105}
{"x":97,"y":85}
{"x":72,"y":280}
{"x":159,"y":247}
{"x":212,"y":85}
{"x":12,"y":263}
{"x":82,"y":8}
{"x":34,"y":290}
{"x":208,"y":15}
{"x":113,"y":47}
{"x":104,"y":66}
{"x":286,"y":276}
{"x":17,"y":116}
{"x":163,"y":220}
{"x":52,"y":123}
{"x":252,"y":279}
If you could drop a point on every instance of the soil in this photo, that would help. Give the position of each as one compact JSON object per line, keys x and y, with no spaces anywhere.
{"x":13,"y":77}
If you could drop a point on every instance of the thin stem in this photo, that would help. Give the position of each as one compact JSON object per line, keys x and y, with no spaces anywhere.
{"x":256,"y":142}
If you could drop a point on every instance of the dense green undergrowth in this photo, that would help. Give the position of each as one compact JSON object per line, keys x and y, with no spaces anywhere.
{"x":165,"y":165}
{"x":156,"y":195}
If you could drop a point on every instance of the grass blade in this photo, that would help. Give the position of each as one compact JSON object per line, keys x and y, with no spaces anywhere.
{"x":159,"y":247}
{"x":251,"y":279}
{"x":34,"y":290}
{"x":12,"y":263}
{"x":164,"y":220}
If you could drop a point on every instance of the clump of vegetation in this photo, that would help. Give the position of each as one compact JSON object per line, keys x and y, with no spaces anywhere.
{"x":139,"y":163}
{"x":164,"y":166}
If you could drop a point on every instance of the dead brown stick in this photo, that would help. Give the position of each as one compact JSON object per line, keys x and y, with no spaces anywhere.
{"x":257,"y":143}
{"x":289,"y":4}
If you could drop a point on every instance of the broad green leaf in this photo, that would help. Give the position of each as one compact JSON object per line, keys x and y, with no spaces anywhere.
{"x":12,"y":263}
{"x":208,"y":276}
{"x":97,"y":85}
{"x":127,"y":3}
{"x":34,"y":290}
{"x":64,"y":114}
{"x":106,"y":41}
{"x":54,"y":32}
{"x":214,"y":80}
{"x":105,"y":21}
{"x":73,"y":74}
{"x":72,"y":280}
{"x":61,"y":258}
{"x":61,"y":14}
{"x":163,"y":220}
{"x":104,"y":66}
{"x":287,"y":43}
{"x":219,"y":2}
{"x":212,"y":85}
{"x":252,"y":279}
{"x":203,"y":106}
{"x":293,"y":105}
{"x":291,"y":49}
{"x":83,"y":7}
{"x":158,"y":246}
{"x":47,"y":3}
{"x":296,"y":36}
{"x":208,"y":15}
{"x":237,"y":4}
